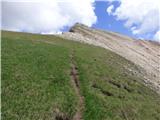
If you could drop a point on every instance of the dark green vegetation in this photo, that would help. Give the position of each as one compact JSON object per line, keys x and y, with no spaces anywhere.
{"x":36,"y":82}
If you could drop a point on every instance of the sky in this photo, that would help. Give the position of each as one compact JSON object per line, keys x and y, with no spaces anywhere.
{"x":136,"y":18}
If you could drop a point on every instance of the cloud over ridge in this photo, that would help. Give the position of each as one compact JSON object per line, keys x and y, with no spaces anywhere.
{"x":39,"y":16}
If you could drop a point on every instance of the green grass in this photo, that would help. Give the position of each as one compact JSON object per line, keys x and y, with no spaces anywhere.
{"x":36,"y":81}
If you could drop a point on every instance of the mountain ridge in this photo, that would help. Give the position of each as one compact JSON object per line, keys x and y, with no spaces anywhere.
{"x":141,"y":52}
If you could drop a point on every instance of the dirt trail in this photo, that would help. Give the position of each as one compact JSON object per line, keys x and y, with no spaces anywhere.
{"x":75,"y":82}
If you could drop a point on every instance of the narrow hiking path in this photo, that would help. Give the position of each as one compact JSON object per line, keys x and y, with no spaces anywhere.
{"x":75,"y":82}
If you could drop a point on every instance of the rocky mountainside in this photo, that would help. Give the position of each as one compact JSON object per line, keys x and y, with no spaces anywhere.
{"x":142,"y":53}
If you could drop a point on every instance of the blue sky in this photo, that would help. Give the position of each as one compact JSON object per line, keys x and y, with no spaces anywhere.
{"x":108,"y":22}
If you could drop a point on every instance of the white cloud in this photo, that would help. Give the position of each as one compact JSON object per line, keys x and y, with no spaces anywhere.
{"x":110,"y":9}
{"x":157,"y":36}
{"x":140,"y":16}
{"x":41,"y":16}
{"x":107,"y":0}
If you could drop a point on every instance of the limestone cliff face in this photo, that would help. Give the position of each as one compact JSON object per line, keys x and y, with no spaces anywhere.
{"x":145,"y":54}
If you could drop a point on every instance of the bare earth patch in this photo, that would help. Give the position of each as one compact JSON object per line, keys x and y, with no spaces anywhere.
{"x":75,"y":82}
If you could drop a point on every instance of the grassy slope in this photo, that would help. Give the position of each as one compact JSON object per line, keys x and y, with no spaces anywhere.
{"x":36,"y":81}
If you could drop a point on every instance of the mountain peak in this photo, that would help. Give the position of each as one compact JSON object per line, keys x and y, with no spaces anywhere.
{"x":77,"y":26}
